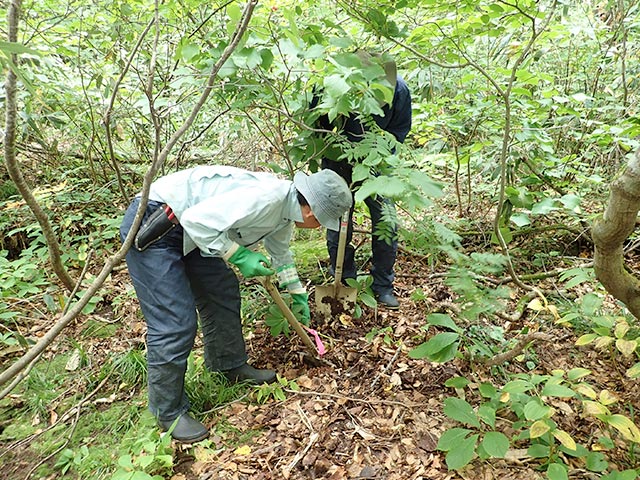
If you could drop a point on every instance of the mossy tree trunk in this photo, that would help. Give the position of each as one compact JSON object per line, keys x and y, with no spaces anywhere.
{"x":610,"y":231}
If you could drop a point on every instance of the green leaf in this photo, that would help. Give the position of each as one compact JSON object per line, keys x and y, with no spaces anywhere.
{"x":520,"y":219}
{"x":596,"y":462}
{"x":442,"y":320}
{"x":144,"y":461}
{"x":451,"y":438}
{"x":429,"y":187}
{"x":535,"y":410}
{"x":488,"y":415}
{"x":556,"y":471}
{"x":234,"y":12}
{"x":121,"y":475}
{"x":586,"y":339}
{"x":487,"y":390}
{"x":368,"y":300}
{"x":434,"y":345}
{"x":517,"y":386}
{"x":385,"y":186}
{"x":577,"y":373}
{"x":519,"y":197}
{"x":125,"y":462}
{"x":544,"y":207}
{"x":461,"y":411}
{"x":555,"y":390}
{"x":634,"y":371}
{"x":9,"y":48}
{"x":624,"y":475}
{"x":506,"y":233}
{"x":138,"y":475}
{"x":462,"y":453}
{"x":360,"y":172}
{"x":571,"y":201}
{"x":187,"y":50}
{"x":335,"y":85}
{"x":456,"y":382}
{"x":496,"y":444}
{"x":539,"y":451}
{"x":446,"y":354}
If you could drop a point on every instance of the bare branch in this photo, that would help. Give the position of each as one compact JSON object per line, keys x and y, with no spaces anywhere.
{"x":518,"y":349}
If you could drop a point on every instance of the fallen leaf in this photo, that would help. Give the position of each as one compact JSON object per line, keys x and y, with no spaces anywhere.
{"x":244,"y":450}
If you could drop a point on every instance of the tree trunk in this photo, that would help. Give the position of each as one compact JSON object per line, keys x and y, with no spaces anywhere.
{"x":609,"y":233}
{"x":11,"y":161}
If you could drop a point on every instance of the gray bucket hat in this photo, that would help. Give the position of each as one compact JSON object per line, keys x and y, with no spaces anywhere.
{"x":328,"y":196}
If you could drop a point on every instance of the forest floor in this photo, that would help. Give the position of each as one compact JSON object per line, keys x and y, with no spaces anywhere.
{"x":368,"y":410}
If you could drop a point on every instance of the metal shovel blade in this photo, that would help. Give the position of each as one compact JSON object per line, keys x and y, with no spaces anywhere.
{"x":331,"y":304}
{"x":333,"y":300}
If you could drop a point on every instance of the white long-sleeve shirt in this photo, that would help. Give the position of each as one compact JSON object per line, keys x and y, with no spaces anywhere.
{"x":219,"y":205}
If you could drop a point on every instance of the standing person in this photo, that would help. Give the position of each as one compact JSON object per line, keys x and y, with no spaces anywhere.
{"x":197,"y":222}
{"x":396,"y":119}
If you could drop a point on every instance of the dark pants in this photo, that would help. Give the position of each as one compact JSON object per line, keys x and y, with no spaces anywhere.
{"x":383,"y":253}
{"x":170,"y":287}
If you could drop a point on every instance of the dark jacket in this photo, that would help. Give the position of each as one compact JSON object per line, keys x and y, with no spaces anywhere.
{"x":396,"y":120}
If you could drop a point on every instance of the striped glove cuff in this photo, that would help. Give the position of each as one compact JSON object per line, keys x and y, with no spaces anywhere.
{"x":288,"y":277}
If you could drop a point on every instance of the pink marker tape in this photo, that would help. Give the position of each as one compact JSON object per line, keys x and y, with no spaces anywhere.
{"x":319,"y":344}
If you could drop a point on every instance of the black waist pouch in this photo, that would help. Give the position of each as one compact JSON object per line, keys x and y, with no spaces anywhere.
{"x":159,"y":223}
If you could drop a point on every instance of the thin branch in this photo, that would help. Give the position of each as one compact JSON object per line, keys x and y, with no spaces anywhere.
{"x":518,"y":349}
{"x":87,"y":262}
{"x":387,"y":368}
{"x":107,"y":114}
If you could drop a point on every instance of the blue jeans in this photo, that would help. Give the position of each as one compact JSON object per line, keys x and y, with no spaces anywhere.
{"x":173,"y":289}
{"x":383,"y":253}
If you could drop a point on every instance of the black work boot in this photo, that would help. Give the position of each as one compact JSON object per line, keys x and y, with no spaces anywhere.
{"x":388,"y":300}
{"x":186,"y":429}
{"x":246,"y":373}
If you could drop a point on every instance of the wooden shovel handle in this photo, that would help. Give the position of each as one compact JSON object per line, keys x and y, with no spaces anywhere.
{"x":288,"y":314}
{"x":342,"y":245}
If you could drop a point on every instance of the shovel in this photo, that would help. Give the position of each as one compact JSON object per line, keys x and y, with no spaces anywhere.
{"x":316,"y":349}
{"x":332,"y":300}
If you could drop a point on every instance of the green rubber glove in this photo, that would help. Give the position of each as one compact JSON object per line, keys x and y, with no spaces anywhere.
{"x":301,"y":307}
{"x":250,"y":263}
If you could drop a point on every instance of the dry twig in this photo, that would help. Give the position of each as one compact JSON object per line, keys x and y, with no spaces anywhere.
{"x":286,"y":471}
{"x":387,"y":368}
{"x":517,"y":350}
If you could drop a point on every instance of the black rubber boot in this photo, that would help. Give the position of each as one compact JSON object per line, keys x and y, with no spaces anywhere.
{"x":186,"y":429}
{"x":246,"y":373}
{"x":388,"y":300}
